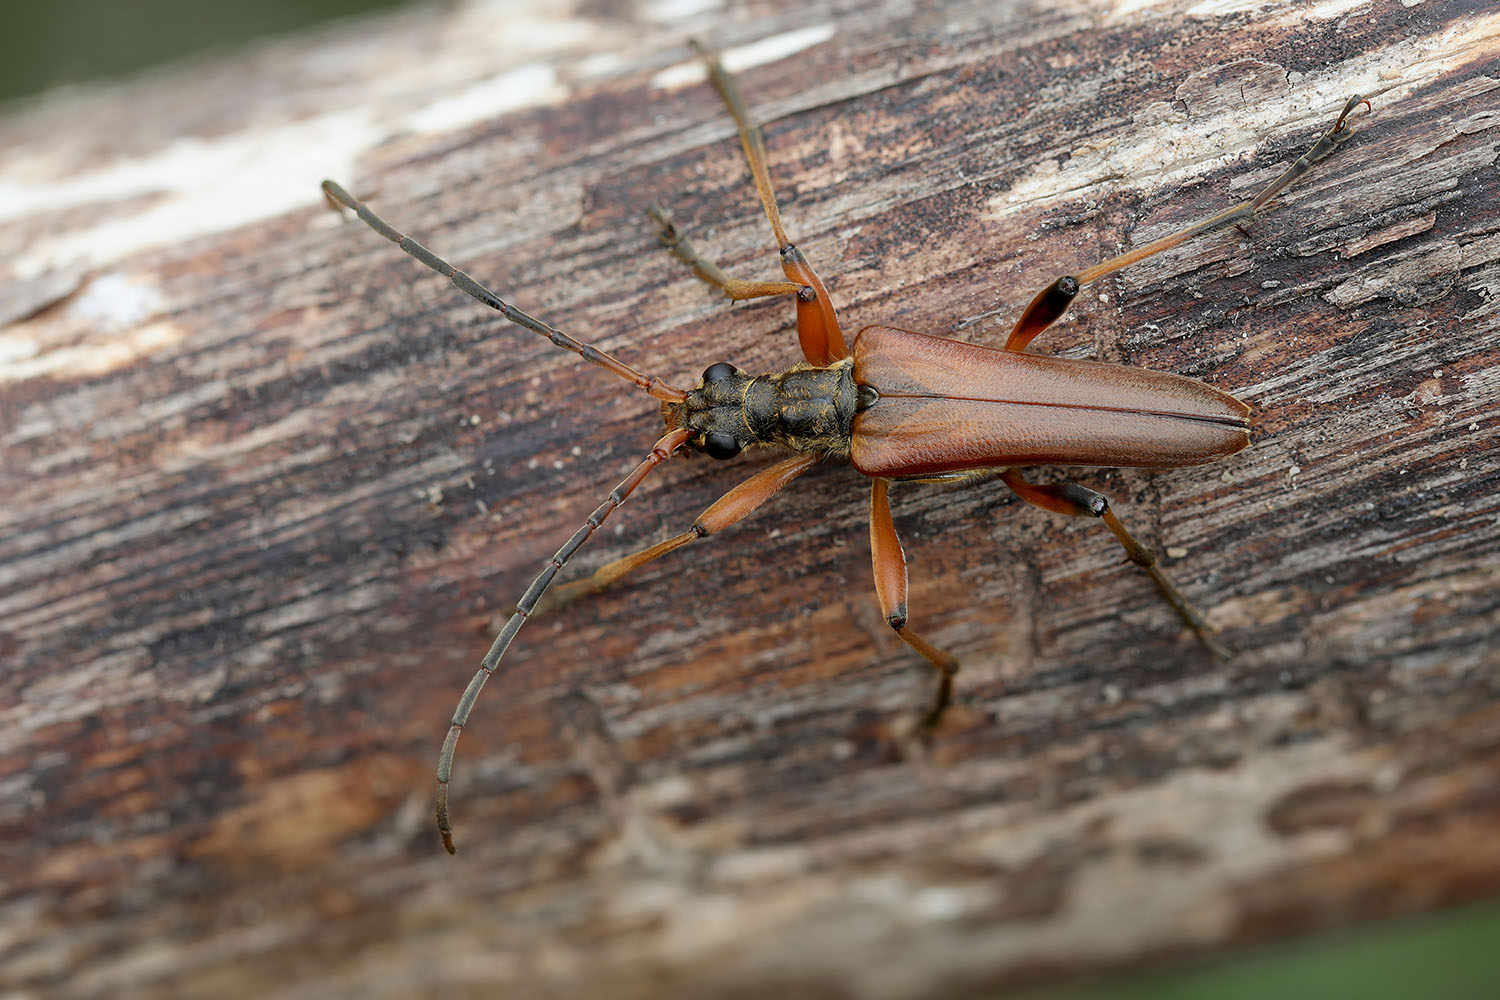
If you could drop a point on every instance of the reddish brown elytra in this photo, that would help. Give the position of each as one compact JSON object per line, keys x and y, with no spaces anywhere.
{"x":895,"y":405}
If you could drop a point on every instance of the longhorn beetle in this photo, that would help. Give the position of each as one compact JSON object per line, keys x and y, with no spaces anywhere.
{"x":895,"y":405}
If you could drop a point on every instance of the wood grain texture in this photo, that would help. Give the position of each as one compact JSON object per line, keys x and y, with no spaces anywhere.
{"x":266,"y":484}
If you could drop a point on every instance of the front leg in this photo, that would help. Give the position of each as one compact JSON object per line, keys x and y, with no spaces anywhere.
{"x":734,"y":289}
{"x":730,"y":509}
{"x":818,"y":330}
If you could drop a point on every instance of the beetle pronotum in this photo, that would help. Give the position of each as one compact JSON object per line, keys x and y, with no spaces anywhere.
{"x":895,"y":405}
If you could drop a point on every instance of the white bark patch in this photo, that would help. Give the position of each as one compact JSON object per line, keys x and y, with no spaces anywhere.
{"x":525,"y":87}
{"x":736,"y":60}
{"x":1168,"y":146}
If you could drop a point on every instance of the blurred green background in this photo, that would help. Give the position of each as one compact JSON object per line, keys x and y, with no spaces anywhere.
{"x":45,"y":45}
{"x":1449,"y":956}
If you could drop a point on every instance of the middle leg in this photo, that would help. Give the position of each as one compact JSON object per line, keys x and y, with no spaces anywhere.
{"x":890,"y":589}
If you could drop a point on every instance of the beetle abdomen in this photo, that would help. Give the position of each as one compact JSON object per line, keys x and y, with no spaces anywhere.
{"x":947,"y":406}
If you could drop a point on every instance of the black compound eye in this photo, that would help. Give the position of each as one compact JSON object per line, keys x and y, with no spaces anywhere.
{"x":721,"y":370}
{"x":719,"y":445}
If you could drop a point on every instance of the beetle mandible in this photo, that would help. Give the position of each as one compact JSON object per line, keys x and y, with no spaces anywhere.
{"x":897,"y":406}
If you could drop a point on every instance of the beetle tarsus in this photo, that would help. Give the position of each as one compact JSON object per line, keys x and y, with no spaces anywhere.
{"x":940,"y":702}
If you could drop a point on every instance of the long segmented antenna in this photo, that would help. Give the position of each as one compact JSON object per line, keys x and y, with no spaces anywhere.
{"x":660,"y":452}
{"x":337,"y":196}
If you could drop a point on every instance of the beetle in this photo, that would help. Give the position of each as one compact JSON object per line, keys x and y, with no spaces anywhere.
{"x":894,"y":404}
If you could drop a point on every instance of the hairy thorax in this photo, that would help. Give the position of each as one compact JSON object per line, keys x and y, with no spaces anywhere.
{"x":803,"y":409}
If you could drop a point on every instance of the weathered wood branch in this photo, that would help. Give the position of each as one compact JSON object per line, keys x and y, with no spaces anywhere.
{"x":267,"y":483}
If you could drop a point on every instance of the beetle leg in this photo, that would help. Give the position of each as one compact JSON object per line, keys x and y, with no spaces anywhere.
{"x":1079,"y":501}
{"x":818,"y":327}
{"x":890,"y":589}
{"x":731,"y":508}
{"x":734,"y":288}
{"x":1052,"y":301}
